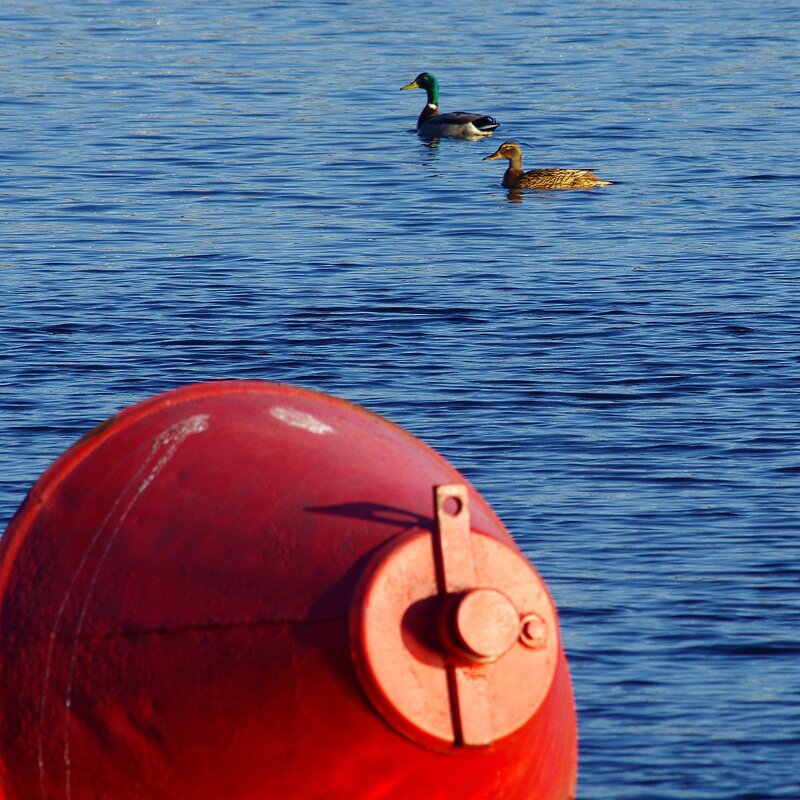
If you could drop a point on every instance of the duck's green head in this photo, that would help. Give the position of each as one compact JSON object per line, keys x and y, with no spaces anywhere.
{"x":427,"y":82}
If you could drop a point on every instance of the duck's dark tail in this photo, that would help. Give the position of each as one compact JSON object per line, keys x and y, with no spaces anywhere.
{"x":487,"y":124}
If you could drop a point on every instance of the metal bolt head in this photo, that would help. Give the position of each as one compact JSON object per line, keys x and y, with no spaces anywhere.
{"x":485,"y":624}
{"x":533,"y":632}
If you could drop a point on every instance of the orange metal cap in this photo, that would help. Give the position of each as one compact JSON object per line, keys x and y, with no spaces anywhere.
{"x":453,"y":633}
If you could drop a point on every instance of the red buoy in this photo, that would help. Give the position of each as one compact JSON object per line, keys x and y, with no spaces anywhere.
{"x":243,"y":591}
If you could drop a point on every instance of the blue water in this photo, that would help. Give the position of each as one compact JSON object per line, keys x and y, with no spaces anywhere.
{"x":194,"y":191}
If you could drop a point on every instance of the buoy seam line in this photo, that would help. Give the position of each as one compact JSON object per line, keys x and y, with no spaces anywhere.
{"x":202,"y":626}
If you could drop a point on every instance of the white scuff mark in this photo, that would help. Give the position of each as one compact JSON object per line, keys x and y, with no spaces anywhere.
{"x":181,"y":430}
{"x":301,"y":419}
{"x":171,"y":439}
{"x":164,"y":447}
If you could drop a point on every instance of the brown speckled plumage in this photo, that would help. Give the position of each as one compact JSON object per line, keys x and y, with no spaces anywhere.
{"x":515,"y":178}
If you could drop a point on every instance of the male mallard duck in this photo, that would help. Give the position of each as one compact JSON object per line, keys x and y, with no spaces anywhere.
{"x":515,"y":178}
{"x":455,"y":124}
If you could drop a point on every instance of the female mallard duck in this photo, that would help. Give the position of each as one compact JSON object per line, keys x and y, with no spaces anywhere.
{"x":455,"y":124}
{"x":515,"y":178}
